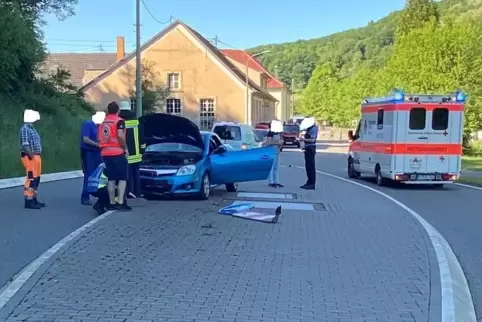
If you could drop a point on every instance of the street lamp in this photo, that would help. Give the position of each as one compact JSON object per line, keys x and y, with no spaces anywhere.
{"x":248,"y":111}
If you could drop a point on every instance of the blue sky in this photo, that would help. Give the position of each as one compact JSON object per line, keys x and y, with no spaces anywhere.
{"x":240,"y":24}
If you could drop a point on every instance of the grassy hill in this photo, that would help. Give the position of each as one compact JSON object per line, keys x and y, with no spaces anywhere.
{"x":297,"y":60}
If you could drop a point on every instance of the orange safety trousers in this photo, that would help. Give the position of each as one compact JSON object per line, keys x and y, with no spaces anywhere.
{"x":33,"y":169}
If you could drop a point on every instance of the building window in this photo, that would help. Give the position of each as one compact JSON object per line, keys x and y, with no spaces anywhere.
{"x":207,"y":113}
{"x":173,"y":106}
{"x":440,"y":119}
{"x":174,"y":81}
{"x":417,"y":119}
{"x":380,"y":119}
{"x":133,"y":104}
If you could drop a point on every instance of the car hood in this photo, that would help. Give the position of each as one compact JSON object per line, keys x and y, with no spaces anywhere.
{"x":166,"y":128}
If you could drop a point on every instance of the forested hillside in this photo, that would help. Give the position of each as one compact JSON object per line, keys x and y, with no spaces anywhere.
{"x":430,"y":47}
{"x":61,"y":107}
{"x":297,"y":60}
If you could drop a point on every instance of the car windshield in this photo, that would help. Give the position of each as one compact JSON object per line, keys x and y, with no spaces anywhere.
{"x":261,"y":133}
{"x":228,"y":132}
{"x":172,"y":147}
{"x":291,"y":129}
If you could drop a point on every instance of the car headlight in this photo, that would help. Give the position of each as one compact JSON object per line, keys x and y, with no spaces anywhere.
{"x":186,"y":170}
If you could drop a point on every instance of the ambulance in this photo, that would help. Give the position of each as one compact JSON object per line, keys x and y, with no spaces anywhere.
{"x":411,"y":139}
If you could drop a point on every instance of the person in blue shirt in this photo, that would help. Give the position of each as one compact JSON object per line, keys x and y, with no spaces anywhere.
{"x":309,"y":139}
{"x":89,"y":151}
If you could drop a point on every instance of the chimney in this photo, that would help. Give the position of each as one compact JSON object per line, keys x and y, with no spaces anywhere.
{"x":121,"y":51}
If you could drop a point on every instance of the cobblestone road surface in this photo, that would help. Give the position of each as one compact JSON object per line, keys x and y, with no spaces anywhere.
{"x":363,"y":259}
{"x":454,"y":211}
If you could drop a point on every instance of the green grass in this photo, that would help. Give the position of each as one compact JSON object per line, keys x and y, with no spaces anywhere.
{"x":471,"y":181}
{"x":473,"y":160}
{"x":473,"y":163}
{"x":60,"y":139}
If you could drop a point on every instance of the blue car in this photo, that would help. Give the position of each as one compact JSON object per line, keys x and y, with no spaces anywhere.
{"x":180,"y":160}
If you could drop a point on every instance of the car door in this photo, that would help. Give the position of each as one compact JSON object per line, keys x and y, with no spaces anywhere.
{"x":416,"y":133}
{"x":241,"y":165}
{"x":250,"y":137}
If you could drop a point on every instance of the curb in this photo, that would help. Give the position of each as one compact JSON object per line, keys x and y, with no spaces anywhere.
{"x":49,"y":177}
{"x":456,"y":300}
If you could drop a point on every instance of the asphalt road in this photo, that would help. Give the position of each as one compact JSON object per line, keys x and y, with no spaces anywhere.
{"x":456,"y":212}
{"x":26,"y":234}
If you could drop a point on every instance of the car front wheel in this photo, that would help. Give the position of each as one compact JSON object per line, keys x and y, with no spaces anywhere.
{"x":205,"y":189}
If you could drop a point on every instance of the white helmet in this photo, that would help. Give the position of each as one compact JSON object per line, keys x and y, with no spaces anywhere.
{"x":125,"y":106}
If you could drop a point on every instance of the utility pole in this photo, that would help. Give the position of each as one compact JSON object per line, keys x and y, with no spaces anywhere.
{"x":292,"y":97}
{"x":138,"y":61}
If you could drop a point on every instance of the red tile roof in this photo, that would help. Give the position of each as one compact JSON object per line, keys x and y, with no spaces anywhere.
{"x":243,"y":57}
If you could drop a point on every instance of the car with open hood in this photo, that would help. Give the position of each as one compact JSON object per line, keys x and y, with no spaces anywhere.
{"x":180,"y":160}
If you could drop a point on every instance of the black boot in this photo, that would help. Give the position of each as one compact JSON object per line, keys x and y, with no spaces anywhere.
{"x":30,"y":204}
{"x":40,"y":204}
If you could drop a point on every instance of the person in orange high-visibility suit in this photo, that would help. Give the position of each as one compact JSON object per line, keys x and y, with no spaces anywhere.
{"x":30,"y":153}
{"x":113,"y":149}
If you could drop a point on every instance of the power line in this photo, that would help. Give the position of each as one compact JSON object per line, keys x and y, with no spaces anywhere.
{"x":225,"y":44}
{"x":171,"y":18}
{"x":83,"y":40}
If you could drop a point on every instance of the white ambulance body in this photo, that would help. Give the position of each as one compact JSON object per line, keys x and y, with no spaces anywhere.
{"x":412,"y":139}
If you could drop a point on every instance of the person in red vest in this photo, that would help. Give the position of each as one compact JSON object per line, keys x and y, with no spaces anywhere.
{"x":113,"y":149}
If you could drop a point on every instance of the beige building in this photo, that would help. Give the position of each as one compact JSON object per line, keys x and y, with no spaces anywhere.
{"x":263,"y":78}
{"x":204,"y":85}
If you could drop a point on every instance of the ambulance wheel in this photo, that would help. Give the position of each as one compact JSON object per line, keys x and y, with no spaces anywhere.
{"x":380,"y":179}
{"x":231,"y":187}
{"x":352,"y":173}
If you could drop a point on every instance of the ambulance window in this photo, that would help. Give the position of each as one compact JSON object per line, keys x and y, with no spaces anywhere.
{"x":380,"y":119}
{"x":440,"y":119}
{"x":417,"y":118}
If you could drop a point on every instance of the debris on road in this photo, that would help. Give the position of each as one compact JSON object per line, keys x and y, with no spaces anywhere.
{"x":245,"y":211}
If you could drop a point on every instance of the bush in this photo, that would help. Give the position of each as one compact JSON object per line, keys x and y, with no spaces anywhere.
{"x":60,"y":134}
{"x":22,"y":86}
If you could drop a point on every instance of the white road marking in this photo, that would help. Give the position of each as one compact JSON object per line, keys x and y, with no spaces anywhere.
{"x":265,"y":195}
{"x":457,"y":304}
{"x":9,"y":290}
{"x":274,"y":205}
{"x":468,"y":186}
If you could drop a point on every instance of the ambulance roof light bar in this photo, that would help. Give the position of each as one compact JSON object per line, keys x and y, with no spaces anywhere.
{"x":398,"y":96}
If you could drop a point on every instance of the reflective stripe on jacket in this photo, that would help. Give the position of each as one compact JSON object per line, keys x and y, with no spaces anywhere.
{"x":107,"y":135}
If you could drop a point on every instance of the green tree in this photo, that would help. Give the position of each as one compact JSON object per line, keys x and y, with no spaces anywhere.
{"x":153,"y":94}
{"x":318,"y":94}
{"x":416,"y":14}
{"x":441,"y":59}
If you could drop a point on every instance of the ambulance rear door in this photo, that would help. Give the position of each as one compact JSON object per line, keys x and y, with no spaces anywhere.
{"x":445,"y":134}
{"x":416,"y":139}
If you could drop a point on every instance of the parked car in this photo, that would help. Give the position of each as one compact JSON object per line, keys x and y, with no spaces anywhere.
{"x":291,"y":135}
{"x":262,"y":125}
{"x":262,"y":134}
{"x":180,"y":160}
{"x":239,"y":136}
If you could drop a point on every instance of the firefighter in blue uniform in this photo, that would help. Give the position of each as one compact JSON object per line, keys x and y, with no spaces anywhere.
{"x":135,"y":145}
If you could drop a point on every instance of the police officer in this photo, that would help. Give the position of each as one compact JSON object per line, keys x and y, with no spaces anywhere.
{"x":309,"y":139}
{"x":135,"y":145}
